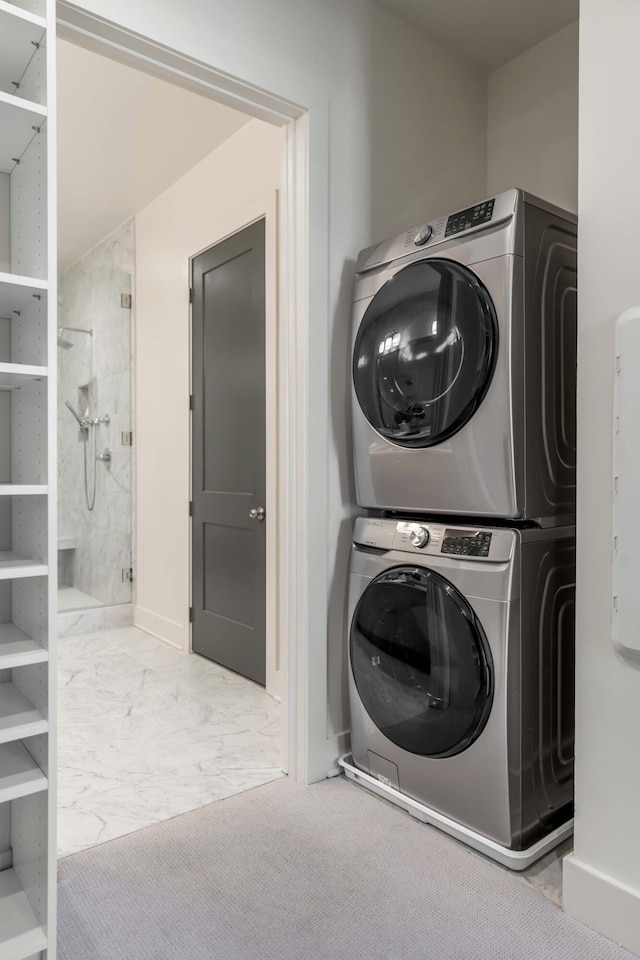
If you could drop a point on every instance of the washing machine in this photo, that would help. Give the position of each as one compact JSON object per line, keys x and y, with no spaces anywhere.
{"x":464,"y":365}
{"x":461,"y":676}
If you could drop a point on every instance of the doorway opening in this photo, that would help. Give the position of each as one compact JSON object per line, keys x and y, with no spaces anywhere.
{"x":148,"y":728}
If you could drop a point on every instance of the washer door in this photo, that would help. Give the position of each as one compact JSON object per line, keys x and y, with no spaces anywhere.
{"x":425,"y":353}
{"x":421,"y":662}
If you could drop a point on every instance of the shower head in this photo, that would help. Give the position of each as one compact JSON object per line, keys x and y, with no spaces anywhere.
{"x":67,"y":344}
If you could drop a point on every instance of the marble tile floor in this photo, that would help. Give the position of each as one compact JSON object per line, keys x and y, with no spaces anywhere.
{"x":147,"y":733}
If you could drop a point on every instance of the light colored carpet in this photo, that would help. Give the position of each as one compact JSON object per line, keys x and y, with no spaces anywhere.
{"x":285,"y":872}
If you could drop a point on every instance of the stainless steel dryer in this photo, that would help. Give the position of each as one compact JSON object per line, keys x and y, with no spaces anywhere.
{"x":464,"y":365}
{"x":461,"y":655}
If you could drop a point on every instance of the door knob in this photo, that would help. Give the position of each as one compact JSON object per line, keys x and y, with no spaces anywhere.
{"x":257,"y":513}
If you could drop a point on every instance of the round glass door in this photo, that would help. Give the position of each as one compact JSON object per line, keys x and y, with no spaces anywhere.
{"x":421,"y":662}
{"x":425,"y":353}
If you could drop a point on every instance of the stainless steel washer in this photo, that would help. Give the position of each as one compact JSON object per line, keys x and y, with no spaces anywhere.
{"x":461,"y":655}
{"x":464,"y":365}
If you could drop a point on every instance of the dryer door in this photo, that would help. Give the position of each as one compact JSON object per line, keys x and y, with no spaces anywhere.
{"x":425,"y":353}
{"x":421,"y":662}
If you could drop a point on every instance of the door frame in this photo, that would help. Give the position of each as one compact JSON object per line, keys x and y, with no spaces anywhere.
{"x":263,"y":208}
{"x":310,"y":753}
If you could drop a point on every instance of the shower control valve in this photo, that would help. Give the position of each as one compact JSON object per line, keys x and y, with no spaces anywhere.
{"x":418,"y":535}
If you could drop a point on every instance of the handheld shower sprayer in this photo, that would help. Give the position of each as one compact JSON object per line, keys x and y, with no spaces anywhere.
{"x":83,"y":424}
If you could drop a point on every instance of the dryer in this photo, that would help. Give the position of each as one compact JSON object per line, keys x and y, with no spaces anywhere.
{"x":464,"y":365}
{"x":461,"y":674}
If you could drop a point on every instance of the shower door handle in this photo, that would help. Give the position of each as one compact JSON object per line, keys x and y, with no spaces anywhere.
{"x":256,"y":513}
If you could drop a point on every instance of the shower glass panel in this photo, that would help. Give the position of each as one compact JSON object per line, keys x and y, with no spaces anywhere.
{"x":94,"y":424}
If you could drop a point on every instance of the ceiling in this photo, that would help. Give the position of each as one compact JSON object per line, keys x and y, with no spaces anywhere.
{"x":488,"y":32}
{"x":123,"y":138}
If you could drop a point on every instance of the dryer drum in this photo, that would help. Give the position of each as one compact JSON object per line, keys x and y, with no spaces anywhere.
{"x":425,"y":353}
{"x":421,"y":662}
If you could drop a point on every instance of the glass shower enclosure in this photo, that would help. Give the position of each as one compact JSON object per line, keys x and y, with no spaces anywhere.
{"x":94,"y":434}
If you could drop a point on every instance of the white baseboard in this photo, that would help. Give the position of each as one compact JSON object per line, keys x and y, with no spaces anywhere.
{"x":602,"y":903}
{"x":175,"y":634}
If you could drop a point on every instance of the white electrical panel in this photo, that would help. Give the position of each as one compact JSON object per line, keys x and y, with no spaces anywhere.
{"x":626,"y":486}
{"x":27,"y":480}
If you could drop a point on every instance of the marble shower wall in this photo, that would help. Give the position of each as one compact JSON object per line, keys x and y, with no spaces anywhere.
{"x":95,"y":376}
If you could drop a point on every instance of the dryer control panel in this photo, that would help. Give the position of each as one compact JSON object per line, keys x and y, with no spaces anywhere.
{"x":435,"y":539}
{"x":448,"y":228}
{"x":469,"y":218}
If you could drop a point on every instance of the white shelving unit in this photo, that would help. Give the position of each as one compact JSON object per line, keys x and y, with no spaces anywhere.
{"x":23,"y":935}
{"x":21,"y":776}
{"x":17,"y":649}
{"x":18,"y":717}
{"x":23,"y":489}
{"x":28,"y":548}
{"x":14,"y":566}
{"x":16,"y":375}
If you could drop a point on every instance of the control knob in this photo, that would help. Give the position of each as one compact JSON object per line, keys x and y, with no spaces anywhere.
{"x":418,"y":535}
{"x":423,"y":234}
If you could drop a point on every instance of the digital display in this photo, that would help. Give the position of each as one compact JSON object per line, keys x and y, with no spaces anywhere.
{"x":467,"y":543}
{"x":465,"y":219}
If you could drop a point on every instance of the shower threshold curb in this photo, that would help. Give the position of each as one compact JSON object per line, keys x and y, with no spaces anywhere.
{"x":76,"y":622}
{"x":514,"y":859}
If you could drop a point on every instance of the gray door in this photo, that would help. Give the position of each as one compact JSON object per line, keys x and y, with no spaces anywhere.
{"x":229,"y":453}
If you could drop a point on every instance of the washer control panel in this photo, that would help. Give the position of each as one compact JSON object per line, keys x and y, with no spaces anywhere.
{"x":467,"y":543}
{"x":435,"y":539}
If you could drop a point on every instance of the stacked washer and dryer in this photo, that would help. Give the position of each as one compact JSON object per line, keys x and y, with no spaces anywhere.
{"x":462,"y":580}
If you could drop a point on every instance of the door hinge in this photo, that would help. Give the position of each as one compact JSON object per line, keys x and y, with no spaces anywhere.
{"x":190,"y":508}
{"x":127,"y":574}
{"x":127,"y":438}
{"x":191,"y":402}
{"x":190,"y":614}
{"x":126,"y":301}
{"x":190,"y":294}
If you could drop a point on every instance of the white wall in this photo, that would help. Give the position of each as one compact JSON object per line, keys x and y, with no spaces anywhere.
{"x":182,"y":221}
{"x":123,"y":138}
{"x":532,"y":111}
{"x":428,"y":127}
{"x":602,"y":879}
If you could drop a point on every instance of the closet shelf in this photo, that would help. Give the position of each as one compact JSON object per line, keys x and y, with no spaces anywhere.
{"x":20,"y":35}
{"x":23,"y":490}
{"x":16,"y":375}
{"x":18,"y":118}
{"x":21,"y":935}
{"x":17,"y":649}
{"x":20,"y":775}
{"x":18,"y":717}
{"x":13,"y":566}
{"x":17,"y":293}
{"x":21,"y":14}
